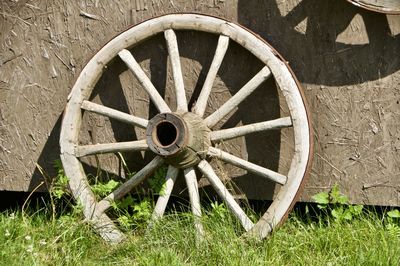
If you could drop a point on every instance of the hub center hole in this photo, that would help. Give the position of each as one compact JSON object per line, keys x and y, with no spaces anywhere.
{"x":166,"y":133}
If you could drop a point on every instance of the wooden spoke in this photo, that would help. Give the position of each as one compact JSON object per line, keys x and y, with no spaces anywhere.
{"x":201,"y":103}
{"x":191,"y":182}
{"x":209,"y":173}
{"x":115,"y":114}
{"x":107,"y":229}
{"x":163,"y":198}
{"x":126,"y":187}
{"x":225,"y":134}
{"x":130,"y":61}
{"x":173,"y":52}
{"x":236,"y":99}
{"x":139,"y":145}
{"x":251,"y":167}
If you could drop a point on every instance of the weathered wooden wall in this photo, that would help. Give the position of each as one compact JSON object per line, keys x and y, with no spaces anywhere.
{"x":347,"y":60}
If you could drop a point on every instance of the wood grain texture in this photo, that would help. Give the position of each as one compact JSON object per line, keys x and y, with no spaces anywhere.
{"x":239,"y":162}
{"x":133,"y":65}
{"x":194,"y":196}
{"x":230,"y":133}
{"x":163,"y":198}
{"x":240,"y":96}
{"x":115,"y":114}
{"x":138,"y":145}
{"x":223,"y":192}
{"x":173,"y":51}
{"x":220,"y":52}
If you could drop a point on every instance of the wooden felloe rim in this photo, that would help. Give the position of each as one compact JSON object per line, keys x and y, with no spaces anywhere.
{"x":275,"y":67}
{"x":391,"y":7}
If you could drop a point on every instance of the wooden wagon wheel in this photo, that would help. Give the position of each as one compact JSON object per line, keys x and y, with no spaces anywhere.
{"x":183,"y":138}
{"x":381,"y":6}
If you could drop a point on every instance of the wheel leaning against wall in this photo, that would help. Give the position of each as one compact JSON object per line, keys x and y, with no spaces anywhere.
{"x":193,"y":140}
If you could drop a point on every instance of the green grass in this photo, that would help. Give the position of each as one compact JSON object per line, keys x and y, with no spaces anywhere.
{"x":37,"y":239}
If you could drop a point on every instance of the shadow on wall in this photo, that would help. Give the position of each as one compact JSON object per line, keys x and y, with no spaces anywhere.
{"x":318,"y":56}
{"x":47,"y":158}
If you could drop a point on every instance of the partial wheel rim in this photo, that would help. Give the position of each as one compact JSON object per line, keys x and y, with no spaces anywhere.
{"x":381,"y":6}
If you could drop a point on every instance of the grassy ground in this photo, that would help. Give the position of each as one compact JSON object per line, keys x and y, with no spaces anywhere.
{"x":35,"y":238}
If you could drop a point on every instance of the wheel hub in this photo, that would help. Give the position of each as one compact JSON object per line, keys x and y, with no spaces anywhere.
{"x":181,"y":138}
